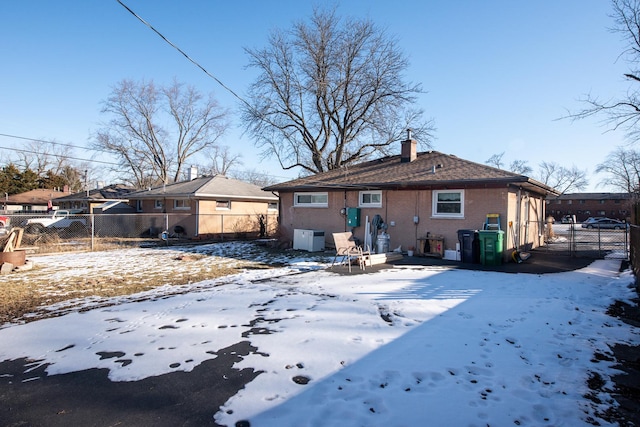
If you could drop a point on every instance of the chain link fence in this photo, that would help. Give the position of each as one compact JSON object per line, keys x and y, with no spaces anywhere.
{"x":45,"y":233}
{"x":575,"y":240}
{"x":634,"y":256}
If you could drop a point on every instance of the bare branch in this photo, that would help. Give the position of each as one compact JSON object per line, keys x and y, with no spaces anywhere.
{"x":155,"y":131}
{"x":561,"y":178}
{"x":330,"y":93}
{"x":622,"y":170}
{"x":495,"y":160}
{"x":624,"y":113}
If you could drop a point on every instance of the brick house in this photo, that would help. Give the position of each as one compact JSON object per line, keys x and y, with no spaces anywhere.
{"x":415,"y":194}
{"x":207,"y":206}
{"x":584,"y":205}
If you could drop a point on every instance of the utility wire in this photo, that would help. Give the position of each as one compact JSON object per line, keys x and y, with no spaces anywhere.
{"x":58,"y":155}
{"x":47,"y":142}
{"x":236,"y":171}
{"x":194,"y":62}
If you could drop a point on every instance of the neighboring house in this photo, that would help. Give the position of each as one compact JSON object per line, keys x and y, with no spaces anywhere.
{"x":584,"y":205}
{"x":33,"y":201}
{"x":88,"y":201}
{"x":208,"y":206}
{"x":415,"y":194}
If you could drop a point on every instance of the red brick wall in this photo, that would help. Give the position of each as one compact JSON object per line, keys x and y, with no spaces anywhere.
{"x":399,"y":208}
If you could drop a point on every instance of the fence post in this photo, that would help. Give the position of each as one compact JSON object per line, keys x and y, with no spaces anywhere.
{"x":93,"y":231}
{"x":572,"y":239}
{"x":626,"y":242}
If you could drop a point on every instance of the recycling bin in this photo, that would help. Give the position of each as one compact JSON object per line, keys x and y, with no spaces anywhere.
{"x":491,"y":246}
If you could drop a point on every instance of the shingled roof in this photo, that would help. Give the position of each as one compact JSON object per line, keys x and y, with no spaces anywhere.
{"x":38,"y":196}
{"x":207,"y":187}
{"x":111,"y":192}
{"x":430,"y":169}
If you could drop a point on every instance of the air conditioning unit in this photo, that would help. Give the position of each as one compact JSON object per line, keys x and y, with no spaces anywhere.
{"x":308,"y":240}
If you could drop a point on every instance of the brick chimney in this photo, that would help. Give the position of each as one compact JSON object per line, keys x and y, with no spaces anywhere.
{"x":409,"y":149}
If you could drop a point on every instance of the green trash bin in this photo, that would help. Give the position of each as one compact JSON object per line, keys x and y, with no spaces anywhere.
{"x":491,"y":246}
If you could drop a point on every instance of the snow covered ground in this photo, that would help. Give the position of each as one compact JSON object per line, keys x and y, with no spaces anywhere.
{"x":399,"y":347}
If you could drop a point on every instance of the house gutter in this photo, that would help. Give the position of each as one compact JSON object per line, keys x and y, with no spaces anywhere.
{"x":521,"y":181}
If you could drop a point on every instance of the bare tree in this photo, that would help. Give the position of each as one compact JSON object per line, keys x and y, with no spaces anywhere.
{"x":622,"y":169}
{"x":43,"y":156}
{"x":154,"y":131}
{"x":330,"y":93}
{"x":495,"y":160}
{"x":521,"y":167}
{"x":252,"y":176}
{"x":516,"y":166}
{"x":221,"y":160}
{"x":621,"y":113}
{"x":561,"y":178}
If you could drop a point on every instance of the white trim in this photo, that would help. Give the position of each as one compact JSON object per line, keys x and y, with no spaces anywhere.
{"x":223,"y":208}
{"x":363,"y":204}
{"x":311,"y":203}
{"x":185,"y":207}
{"x":434,"y":206}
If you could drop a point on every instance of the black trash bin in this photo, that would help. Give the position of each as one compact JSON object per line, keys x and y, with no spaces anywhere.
{"x":469,"y":246}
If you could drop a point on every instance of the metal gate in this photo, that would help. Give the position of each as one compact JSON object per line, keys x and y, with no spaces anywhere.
{"x":574,"y":240}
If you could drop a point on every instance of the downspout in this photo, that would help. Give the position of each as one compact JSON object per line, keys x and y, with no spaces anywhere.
{"x":344,"y":206}
{"x":416,"y":217}
{"x":527,"y":217}
{"x":197,"y":221}
{"x":279,"y":212}
{"x":516,"y":236}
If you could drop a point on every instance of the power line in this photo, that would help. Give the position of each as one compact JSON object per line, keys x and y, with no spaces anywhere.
{"x":194,"y":62}
{"x":236,"y":171}
{"x":45,"y":141}
{"x":58,"y":155}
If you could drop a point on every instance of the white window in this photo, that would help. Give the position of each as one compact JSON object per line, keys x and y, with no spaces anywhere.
{"x":181,"y":204}
{"x":223,"y":205}
{"x":448,"y":203}
{"x":273,"y":206}
{"x":314,"y":200}
{"x":158,"y":204}
{"x":370,"y":199}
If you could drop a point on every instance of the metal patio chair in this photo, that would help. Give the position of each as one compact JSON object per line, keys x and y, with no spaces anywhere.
{"x":347,"y":248}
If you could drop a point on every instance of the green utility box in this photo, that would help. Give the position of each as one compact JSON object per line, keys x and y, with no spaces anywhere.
{"x":353,"y":217}
{"x":491,"y":246}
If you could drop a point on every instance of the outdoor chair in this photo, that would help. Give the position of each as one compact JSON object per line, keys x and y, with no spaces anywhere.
{"x":348,"y":249}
